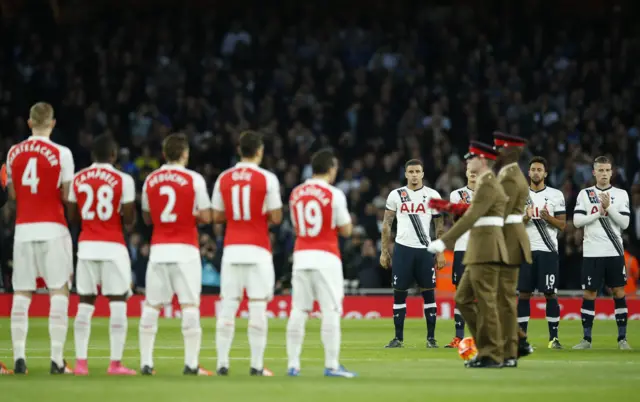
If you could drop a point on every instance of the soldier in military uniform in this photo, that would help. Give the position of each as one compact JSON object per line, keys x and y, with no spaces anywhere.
{"x":516,"y":188}
{"x":483,"y":259}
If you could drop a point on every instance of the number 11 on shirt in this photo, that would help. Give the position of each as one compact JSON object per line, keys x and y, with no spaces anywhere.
{"x":241,"y":202}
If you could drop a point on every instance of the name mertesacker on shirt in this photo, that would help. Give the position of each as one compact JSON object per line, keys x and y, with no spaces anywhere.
{"x":97,"y":174}
{"x":313,"y":191}
{"x":34,"y":146}
{"x":167,"y":176}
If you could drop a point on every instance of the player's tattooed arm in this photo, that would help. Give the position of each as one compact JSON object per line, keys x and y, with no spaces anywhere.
{"x":438,"y":222}
{"x":385,"y":256}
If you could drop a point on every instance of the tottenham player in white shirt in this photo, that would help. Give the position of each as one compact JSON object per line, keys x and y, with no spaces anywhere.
{"x":546,"y":216}
{"x":463,"y":194}
{"x":411,"y":260}
{"x":603,"y":211}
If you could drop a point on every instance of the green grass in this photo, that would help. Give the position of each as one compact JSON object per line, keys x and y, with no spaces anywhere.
{"x":400,"y":375}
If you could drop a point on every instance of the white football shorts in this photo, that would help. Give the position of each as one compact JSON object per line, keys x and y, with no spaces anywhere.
{"x":164,"y":279}
{"x":50,"y":259}
{"x":113,"y":277}
{"x":258,"y":279}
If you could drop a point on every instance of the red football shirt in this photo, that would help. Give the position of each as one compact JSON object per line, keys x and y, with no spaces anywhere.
{"x":318,"y":209}
{"x":100,"y":190}
{"x":37,"y":167}
{"x":245,"y":193}
{"x":172,"y":195}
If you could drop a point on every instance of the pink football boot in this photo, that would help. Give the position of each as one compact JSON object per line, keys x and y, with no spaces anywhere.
{"x":116,"y":368}
{"x":82,"y":367}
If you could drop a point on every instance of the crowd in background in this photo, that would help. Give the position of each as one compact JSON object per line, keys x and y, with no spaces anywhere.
{"x":381,"y":85}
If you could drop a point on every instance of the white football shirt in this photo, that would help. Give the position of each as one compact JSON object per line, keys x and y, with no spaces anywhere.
{"x":602,"y":234}
{"x":413,"y":215}
{"x":463,"y":194}
{"x":542,"y":235}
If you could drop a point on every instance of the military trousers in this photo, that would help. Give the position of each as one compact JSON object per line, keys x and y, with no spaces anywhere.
{"x":508,"y":308}
{"x":477,"y":300}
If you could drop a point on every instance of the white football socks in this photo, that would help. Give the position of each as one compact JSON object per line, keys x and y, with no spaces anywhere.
{"x":19,"y":325}
{"x":148,"y":330}
{"x":331,"y":334}
{"x":295,"y":336}
{"x":118,"y":326}
{"x":225,"y":330}
{"x":257,"y":331}
{"x":192,"y":334}
{"x":82,"y":330}
{"x":58,"y":325}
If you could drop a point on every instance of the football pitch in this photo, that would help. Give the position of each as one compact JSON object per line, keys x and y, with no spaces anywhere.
{"x":394,"y":375}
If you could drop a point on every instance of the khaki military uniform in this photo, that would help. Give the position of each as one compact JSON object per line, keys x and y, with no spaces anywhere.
{"x":518,"y":251}
{"x":485,"y":254}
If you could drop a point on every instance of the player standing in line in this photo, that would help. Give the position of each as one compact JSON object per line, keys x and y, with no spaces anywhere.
{"x":246,"y":198}
{"x":3,"y":199}
{"x":546,"y":216}
{"x":319,"y":214}
{"x":411,"y":260}
{"x":174,"y":200}
{"x":105,"y":198}
{"x":464,"y":194}
{"x":39,"y":176}
{"x":603,"y":211}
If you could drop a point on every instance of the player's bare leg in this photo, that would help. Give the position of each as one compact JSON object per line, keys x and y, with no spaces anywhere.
{"x":147,"y":337}
{"x":588,"y":311}
{"x":621,"y":313}
{"x":295,"y":338}
{"x":192,"y":335}
{"x":58,"y":327}
{"x":19,"y":329}
{"x":553,"y":320}
{"x":225,"y":330}
{"x":257,"y":330}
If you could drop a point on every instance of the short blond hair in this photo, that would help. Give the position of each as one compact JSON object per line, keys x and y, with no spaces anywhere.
{"x":41,"y":115}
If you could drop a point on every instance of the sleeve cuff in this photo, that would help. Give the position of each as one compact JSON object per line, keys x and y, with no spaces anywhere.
{"x":579,"y":211}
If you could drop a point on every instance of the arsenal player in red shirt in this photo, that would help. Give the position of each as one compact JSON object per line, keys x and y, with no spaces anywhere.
{"x":319,"y":214}
{"x":105,"y":198}
{"x":39,"y":176}
{"x":174,"y":201}
{"x":246,"y":198}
